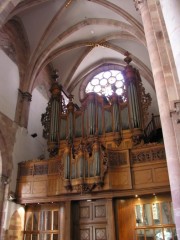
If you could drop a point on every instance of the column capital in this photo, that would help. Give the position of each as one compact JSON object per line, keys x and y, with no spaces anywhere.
{"x":4,"y":179}
{"x":138,"y":3}
{"x":176,"y":110}
{"x":25,"y":95}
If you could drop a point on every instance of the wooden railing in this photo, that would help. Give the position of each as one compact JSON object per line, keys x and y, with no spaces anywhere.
{"x":152,"y":127}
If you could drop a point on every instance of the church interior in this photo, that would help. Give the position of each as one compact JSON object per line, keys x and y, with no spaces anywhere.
{"x":89,"y":120}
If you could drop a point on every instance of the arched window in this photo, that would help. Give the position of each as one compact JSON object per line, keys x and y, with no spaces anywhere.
{"x":106,"y":83}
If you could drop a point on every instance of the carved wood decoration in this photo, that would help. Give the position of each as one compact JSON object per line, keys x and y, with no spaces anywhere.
{"x":85,"y":166}
{"x":121,"y":170}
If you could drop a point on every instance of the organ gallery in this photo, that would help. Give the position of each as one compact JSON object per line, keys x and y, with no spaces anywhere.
{"x":106,"y":177}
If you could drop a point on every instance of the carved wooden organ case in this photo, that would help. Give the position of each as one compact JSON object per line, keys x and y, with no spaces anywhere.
{"x":84,"y":138}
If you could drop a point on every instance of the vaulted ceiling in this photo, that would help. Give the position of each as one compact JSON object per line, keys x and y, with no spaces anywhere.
{"x":77,"y":36}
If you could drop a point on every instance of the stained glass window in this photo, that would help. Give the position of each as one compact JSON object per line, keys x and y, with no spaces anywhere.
{"x":106,"y":83}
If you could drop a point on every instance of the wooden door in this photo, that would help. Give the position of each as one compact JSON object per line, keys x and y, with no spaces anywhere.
{"x":90,"y":220}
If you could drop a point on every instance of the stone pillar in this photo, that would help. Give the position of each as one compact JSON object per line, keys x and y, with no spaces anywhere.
{"x":22,"y":109}
{"x":3,"y":196}
{"x":110,"y":220}
{"x":171,"y":10}
{"x":164,"y":108}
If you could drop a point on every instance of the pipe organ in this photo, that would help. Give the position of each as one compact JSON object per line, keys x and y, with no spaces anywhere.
{"x":82,"y":135}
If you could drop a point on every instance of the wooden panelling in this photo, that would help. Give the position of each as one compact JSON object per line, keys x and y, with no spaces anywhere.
{"x":100,"y":232}
{"x":93,"y":232}
{"x":55,"y":185}
{"x":150,"y":175}
{"x":161,"y":175}
{"x":40,"y":187}
{"x":120,"y":178}
{"x":25,"y":187}
{"x":127,"y":170}
{"x":85,"y":232}
{"x":126,"y":219}
{"x":143,"y":177}
{"x":99,"y":211}
{"x":85,"y":213}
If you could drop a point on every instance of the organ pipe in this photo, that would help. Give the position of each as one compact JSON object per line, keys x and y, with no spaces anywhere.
{"x":131,"y":82}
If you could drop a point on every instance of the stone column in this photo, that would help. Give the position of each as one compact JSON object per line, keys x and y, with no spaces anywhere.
{"x":22,"y":109}
{"x":171,"y":10}
{"x":3,"y":196}
{"x":164,"y":109}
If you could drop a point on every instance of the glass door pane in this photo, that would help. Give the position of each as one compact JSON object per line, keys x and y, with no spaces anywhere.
{"x":149,"y":234}
{"x":35,"y":221}
{"x":174,"y":234}
{"x":29,"y":221}
{"x":55,"y":236}
{"x":167,"y":234}
{"x":55,"y":220}
{"x":49,"y":220}
{"x":147,"y":214}
{"x":42,"y":221}
{"x":27,"y":237}
{"x":45,"y":236}
{"x":159,"y":234}
{"x":139,"y":215}
{"x":172,"y":213}
{"x":156,"y":213}
{"x":166,"y":218}
{"x":140,"y":234}
{"x":34,"y":236}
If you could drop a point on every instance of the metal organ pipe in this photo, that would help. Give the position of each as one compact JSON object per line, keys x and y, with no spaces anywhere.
{"x":116,"y":114}
{"x":97,"y":163}
{"x":70,"y":108}
{"x":55,"y":102}
{"x":67,"y":163}
{"x":92,"y":115}
{"x":131,"y":82}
